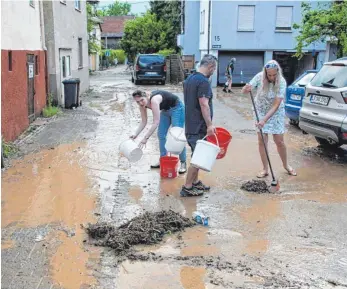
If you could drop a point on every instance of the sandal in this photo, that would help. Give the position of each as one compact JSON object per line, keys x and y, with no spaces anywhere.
{"x":262,"y":175}
{"x":291,"y":171}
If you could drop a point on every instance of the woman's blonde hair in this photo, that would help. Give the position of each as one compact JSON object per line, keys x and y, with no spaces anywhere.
{"x":272,"y":64}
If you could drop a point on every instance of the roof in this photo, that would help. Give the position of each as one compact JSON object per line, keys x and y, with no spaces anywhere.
{"x":338,"y":61}
{"x":114,"y":25}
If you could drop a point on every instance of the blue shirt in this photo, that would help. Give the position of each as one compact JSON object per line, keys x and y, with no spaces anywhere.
{"x":195,"y":87}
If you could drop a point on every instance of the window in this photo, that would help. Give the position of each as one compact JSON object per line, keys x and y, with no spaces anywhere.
{"x":284,"y":18}
{"x":333,"y":76}
{"x":63,"y":66}
{"x":68,"y":67}
{"x":202,"y":21}
{"x":37,"y":65}
{"x":78,"y":4}
{"x":302,"y":82}
{"x":31,"y":3}
{"x":10,"y":61}
{"x":80,"y":53}
{"x":246,"y":18}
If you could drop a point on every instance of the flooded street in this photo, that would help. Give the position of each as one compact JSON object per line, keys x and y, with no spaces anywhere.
{"x":71,"y":174}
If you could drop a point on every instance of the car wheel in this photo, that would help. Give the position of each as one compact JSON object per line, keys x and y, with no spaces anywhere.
{"x":137,"y":82}
{"x":324,"y":143}
{"x":293,"y":122}
{"x":162,"y":82}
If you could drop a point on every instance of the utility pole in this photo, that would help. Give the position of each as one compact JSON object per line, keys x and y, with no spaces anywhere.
{"x":208,"y":26}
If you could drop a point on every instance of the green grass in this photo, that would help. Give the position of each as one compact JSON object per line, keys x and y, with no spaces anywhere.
{"x":49,"y":111}
{"x":8,"y":149}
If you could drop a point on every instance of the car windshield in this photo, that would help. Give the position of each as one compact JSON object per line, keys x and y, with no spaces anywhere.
{"x":151,"y":59}
{"x":305,"y":79}
{"x":333,"y":76}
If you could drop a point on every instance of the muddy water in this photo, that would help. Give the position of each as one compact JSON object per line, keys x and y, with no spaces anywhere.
{"x":51,"y":188}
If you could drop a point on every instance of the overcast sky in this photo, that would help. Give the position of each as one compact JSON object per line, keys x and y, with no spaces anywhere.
{"x":137,"y":6}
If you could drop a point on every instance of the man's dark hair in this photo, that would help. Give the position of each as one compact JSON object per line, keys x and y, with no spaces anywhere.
{"x":139,"y":93}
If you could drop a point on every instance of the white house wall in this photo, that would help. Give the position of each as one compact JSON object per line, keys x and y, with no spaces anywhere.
{"x":15,"y":35}
{"x":63,"y":26}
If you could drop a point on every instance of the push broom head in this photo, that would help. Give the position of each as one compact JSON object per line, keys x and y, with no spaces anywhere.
{"x":274,"y":187}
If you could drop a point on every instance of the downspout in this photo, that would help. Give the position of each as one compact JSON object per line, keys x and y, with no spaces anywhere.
{"x":208,"y":27}
{"x":43,"y":44}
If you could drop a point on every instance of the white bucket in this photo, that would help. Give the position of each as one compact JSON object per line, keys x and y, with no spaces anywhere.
{"x":205,"y":155}
{"x":175,"y":140}
{"x":131,"y":150}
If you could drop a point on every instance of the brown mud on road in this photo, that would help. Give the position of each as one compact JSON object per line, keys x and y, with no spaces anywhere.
{"x":50,"y":189}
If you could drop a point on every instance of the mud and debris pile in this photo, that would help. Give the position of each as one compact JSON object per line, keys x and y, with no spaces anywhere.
{"x":148,"y":229}
{"x":256,"y":186}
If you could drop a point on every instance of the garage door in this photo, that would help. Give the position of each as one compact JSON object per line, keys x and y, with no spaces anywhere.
{"x":250,"y":63}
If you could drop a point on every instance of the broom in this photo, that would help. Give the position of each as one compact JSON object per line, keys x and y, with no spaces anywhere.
{"x":275,"y":186}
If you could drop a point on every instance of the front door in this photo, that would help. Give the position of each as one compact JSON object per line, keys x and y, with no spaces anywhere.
{"x":65,"y":68}
{"x":31,"y":86}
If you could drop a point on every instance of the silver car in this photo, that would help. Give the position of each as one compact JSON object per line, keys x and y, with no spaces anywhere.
{"x":324,"y":110}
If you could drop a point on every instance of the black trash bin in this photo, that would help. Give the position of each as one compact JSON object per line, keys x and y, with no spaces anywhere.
{"x":71,"y":92}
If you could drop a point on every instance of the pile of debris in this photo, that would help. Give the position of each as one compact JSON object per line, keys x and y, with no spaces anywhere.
{"x":256,"y":186}
{"x":148,"y":228}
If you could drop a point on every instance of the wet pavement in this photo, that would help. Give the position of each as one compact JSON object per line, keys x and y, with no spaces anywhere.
{"x":70,"y":173}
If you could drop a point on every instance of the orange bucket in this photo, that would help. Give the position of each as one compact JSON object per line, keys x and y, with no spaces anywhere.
{"x":169,"y":167}
{"x":224,"y":138}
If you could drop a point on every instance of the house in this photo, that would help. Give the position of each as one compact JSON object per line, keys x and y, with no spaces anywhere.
{"x":113,"y":30}
{"x":94,"y":58}
{"x":65,"y":25}
{"x":253,"y":32}
{"x":23,"y":66}
{"x":94,"y":36}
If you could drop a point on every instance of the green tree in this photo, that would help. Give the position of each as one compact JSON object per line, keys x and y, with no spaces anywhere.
{"x":144,"y":34}
{"x":94,"y":46}
{"x":116,"y":9}
{"x":170,"y":12}
{"x":326,"y":22}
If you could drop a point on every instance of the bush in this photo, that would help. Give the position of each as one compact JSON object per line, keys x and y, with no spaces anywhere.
{"x":8,"y":148}
{"x":116,"y":53}
{"x":166,"y":52}
{"x":50,"y":110}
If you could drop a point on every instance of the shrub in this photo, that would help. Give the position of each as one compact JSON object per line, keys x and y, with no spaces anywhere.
{"x":166,"y":52}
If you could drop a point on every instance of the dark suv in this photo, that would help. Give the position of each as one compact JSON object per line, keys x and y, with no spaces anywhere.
{"x":150,"y":67}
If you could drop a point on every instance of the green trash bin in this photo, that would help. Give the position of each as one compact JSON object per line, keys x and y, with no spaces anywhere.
{"x":71,"y":92}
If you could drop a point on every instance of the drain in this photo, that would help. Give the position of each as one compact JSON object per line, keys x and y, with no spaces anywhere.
{"x":247,"y":131}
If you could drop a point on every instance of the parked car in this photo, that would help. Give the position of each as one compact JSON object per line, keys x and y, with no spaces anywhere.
{"x":295,"y":93}
{"x":150,"y":67}
{"x":324,"y":110}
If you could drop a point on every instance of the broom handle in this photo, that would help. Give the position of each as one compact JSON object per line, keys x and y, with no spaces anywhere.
{"x":262,"y":136}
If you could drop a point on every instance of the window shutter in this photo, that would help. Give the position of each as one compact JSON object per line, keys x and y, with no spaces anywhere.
{"x":284,"y":18}
{"x":246,"y":18}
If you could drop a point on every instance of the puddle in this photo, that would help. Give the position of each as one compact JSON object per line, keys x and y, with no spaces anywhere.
{"x":256,"y":247}
{"x":7,"y":244}
{"x":192,"y":277}
{"x":51,"y":187}
{"x":136,"y":193}
{"x":148,"y":275}
{"x":197,"y":243}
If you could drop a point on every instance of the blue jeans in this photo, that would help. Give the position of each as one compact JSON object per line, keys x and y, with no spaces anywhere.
{"x":175,"y":117}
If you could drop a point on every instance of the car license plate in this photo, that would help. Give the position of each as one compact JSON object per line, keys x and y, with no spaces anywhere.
{"x":318,"y":99}
{"x":295,"y":97}
{"x":151,"y":73}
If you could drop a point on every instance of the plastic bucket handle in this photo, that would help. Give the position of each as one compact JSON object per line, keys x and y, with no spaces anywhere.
{"x":215,"y":137}
{"x":177,"y":138}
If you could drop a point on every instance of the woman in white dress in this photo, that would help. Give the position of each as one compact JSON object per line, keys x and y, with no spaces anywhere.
{"x":270,"y":87}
